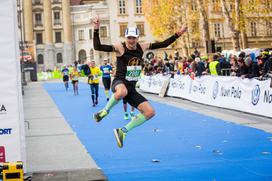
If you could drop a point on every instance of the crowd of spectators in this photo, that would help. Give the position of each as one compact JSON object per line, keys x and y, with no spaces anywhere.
{"x":244,"y":65}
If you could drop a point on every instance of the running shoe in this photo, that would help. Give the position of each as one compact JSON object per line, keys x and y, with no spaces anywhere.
{"x":132,"y":114}
{"x":126,"y":116}
{"x":100,"y":115}
{"x":119,"y":136}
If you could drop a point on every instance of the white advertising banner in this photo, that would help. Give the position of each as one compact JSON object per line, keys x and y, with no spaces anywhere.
{"x":152,"y":84}
{"x":12,"y":140}
{"x":247,"y":95}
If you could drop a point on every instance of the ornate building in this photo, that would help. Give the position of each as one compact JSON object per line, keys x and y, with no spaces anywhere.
{"x":47,"y":27}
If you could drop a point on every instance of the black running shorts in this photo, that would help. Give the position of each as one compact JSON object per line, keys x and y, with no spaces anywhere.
{"x":65,"y":78}
{"x":133,"y":97}
{"x":74,"y":81}
{"x":106,"y":82}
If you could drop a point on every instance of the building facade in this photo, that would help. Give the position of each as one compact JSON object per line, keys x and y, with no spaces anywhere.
{"x":82,"y":17}
{"x":128,"y":13}
{"x":258,"y":26}
{"x":47,"y":27}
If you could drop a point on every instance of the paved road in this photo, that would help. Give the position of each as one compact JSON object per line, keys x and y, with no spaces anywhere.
{"x":53,"y":150}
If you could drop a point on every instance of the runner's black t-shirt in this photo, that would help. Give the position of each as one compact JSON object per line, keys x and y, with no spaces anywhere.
{"x":131,"y":59}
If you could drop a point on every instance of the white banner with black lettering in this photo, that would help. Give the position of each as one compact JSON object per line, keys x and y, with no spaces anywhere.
{"x":152,"y":84}
{"x":12,"y":139}
{"x":247,"y":95}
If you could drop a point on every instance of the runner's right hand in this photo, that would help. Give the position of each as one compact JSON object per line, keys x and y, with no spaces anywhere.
{"x":96,"y":23}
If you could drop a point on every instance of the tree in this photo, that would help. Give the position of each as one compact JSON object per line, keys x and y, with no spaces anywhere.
{"x":165,"y":17}
{"x":205,"y":26}
{"x":231,"y":23}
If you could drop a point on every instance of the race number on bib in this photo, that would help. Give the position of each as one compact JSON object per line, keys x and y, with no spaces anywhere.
{"x":133,"y":73}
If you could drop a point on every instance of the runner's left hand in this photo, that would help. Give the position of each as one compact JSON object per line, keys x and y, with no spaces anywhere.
{"x":182,"y":30}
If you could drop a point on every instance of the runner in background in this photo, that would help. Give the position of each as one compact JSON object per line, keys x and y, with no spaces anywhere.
{"x":65,"y":76}
{"x":74,"y":75}
{"x":106,"y":70}
{"x":93,"y":80}
{"x":128,"y":116}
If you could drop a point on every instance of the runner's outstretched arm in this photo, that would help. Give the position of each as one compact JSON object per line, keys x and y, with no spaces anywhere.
{"x":100,"y":47}
{"x":167,"y":42}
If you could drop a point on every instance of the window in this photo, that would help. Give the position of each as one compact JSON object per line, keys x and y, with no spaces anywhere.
{"x":103,"y":31}
{"x":216,"y":5}
{"x":195,"y":27}
{"x":90,"y":34}
{"x":217,"y":30}
{"x":59,"y":58}
{"x":122,"y":6}
{"x":269,"y":28}
{"x":253,"y":29}
{"x":82,"y":56}
{"x":36,"y":2}
{"x":40,"y":59}
{"x":58,"y":37}
{"x":123,"y":28}
{"x":56,"y":15}
{"x":38,"y":19}
{"x":139,"y":9}
{"x":268,"y":4}
{"x":81,"y":34}
{"x":140,"y":26}
{"x":39,"y":38}
{"x":57,"y":18}
{"x":194,"y":6}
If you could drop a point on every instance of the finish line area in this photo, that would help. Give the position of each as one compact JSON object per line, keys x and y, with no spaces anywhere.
{"x":174,"y":145}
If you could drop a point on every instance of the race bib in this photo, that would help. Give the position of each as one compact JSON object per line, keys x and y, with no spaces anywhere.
{"x":95,"y":77}
{"x":106,"y":70}
{"x":75,"y":77}
{"x":133,"y":73}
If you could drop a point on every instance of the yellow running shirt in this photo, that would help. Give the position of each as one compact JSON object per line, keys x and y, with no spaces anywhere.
{"x":74,"y":75}
{"x":95,"y":73}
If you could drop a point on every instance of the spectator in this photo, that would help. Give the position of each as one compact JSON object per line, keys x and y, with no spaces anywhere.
{"x":253,"y":67}
{"x":267,"y":67}
{"x":242,"y":68}
{"x":214,"y":66}
{"x":200,"y":67}
{"x":196,"y":53}
{"x":225,"y":66}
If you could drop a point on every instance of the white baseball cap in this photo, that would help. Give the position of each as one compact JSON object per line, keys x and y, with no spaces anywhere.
{"x":132,"y":31}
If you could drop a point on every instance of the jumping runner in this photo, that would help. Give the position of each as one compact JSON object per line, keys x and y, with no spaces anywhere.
{"x":106,"y":70}
{"x":129,"y":65}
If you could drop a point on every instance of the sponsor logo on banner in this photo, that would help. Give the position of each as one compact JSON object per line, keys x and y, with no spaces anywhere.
{"x":2,"y":154}
{"x":232,"y":92}
{"x":5,"y":131}
{"x":201,"y":89}
{"x":3,"y":109}
{"x":215,"y":90}
{"x":255,"y":95}
{"x":157,"y":82}
{"x":267,"y":97}
{"x":178,"y":84}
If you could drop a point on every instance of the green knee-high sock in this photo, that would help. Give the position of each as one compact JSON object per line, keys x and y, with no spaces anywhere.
{"x":107,"y":93}
{"x":112,"y":102}
{"x":135,"y":122}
